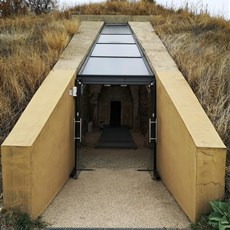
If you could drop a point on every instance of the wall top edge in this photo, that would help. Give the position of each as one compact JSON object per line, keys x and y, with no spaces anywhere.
{"x":39,"y":109}
{"x":112,"y":18}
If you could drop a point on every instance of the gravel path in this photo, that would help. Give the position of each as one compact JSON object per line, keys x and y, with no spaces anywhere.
{"x":115,"y":194}
{"x":115,"y":198}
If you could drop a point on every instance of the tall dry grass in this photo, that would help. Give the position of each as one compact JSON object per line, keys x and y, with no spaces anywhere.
{"x":29,"y":47}
{"x":200,"y":45}
{"x":119,"y":8}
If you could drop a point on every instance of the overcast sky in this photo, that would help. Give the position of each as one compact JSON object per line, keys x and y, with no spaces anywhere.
{"x":214,"y":7}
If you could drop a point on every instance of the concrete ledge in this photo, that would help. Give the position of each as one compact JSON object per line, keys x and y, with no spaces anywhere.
{"x":191,"y":156}
{"x":113,"y":18}
{"x":38,"y":155}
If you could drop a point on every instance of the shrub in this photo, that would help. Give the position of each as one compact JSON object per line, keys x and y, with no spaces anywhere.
{"x":17,"y":220}
{"x":41,"y":6}
{"x":202,"y":224}
{"x":12,"y":7}
{"x":9,"y":7}
{"x":220,"y":216}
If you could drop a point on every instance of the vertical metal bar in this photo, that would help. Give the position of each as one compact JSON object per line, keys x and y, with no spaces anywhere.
{"x":80,"y":130}
{"x":156,"y":130}
{"x":153,"y":95}
{"x":78,"y":123}
{"x":77,"y":129}
{"x":153,"y":125}
{"x":73,"y":173}
{"x":150,"y":134}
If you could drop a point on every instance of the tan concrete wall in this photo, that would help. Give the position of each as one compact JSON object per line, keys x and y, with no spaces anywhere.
{"x":38,"y":155}
{"x":191,"y":156}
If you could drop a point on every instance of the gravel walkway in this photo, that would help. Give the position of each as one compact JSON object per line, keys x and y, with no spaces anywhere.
{"x":115,"y":198}
{"x":115,"y":194}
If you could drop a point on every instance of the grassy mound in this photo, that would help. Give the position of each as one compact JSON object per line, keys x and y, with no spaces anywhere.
{"x":16,"y":220}
{"x":200,"y":45}
{"x":29,"y":47}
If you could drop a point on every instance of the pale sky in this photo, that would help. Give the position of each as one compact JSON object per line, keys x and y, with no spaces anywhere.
{"x":214,"y":7}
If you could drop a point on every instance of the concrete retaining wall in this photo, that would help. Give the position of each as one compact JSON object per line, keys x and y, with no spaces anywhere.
{"x":191,"y":156}
{"x":38,"y":155}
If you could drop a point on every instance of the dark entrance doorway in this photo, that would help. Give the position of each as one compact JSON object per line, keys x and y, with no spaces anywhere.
{"x":116,"y":59}
{"x":115,"y":113}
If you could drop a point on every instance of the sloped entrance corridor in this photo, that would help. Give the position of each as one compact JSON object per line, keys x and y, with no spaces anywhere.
{"x":115,"y":194}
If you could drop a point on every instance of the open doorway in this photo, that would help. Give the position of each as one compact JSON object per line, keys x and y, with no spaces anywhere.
{"x":115,"y":117}
{"x":119,"y":88}
{"x":115,"y":113}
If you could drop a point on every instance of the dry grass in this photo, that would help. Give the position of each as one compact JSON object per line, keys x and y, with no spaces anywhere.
{"x":119,"y":8}
{"x":200,"y":46}
{"x":70,"y":26}
{"x":56,"y":40}
{"x":29,"y":47}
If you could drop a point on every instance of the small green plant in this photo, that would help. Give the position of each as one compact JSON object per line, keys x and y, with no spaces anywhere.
{"x":202,"y":224}
{"x":220,"y":216}
{"x":17,"y":220}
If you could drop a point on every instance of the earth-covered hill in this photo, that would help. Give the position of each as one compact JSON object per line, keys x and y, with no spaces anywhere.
{"x":30,"y":45}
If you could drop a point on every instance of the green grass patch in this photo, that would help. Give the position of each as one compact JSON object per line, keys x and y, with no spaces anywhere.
{"x":17,"y":220}
{"x":202,"y":224}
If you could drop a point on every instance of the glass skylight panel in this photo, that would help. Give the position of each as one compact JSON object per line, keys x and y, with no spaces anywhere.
{"x":115,"y":67}
{"x":126,"y":39}
{"x":116,"y":58}
{"x":116,"y":50}
{"x":116,"y":29}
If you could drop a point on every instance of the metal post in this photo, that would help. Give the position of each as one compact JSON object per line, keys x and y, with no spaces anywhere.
{"x":77,"y":131}
{"x":153,"y":129}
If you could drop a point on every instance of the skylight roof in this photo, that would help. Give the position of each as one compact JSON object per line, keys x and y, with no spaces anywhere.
{"x":116,"y":58}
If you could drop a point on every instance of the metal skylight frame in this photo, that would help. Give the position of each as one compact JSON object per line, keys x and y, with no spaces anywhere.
{"x":115,"y":77}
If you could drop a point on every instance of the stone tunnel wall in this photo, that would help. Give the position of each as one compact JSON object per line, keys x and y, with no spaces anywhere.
{"x":134,"y":105}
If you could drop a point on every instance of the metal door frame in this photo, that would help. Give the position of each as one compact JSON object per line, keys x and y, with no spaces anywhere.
{"x":77,"y":127}
{"x":152,"y":129}
{"x":77,"y":130}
